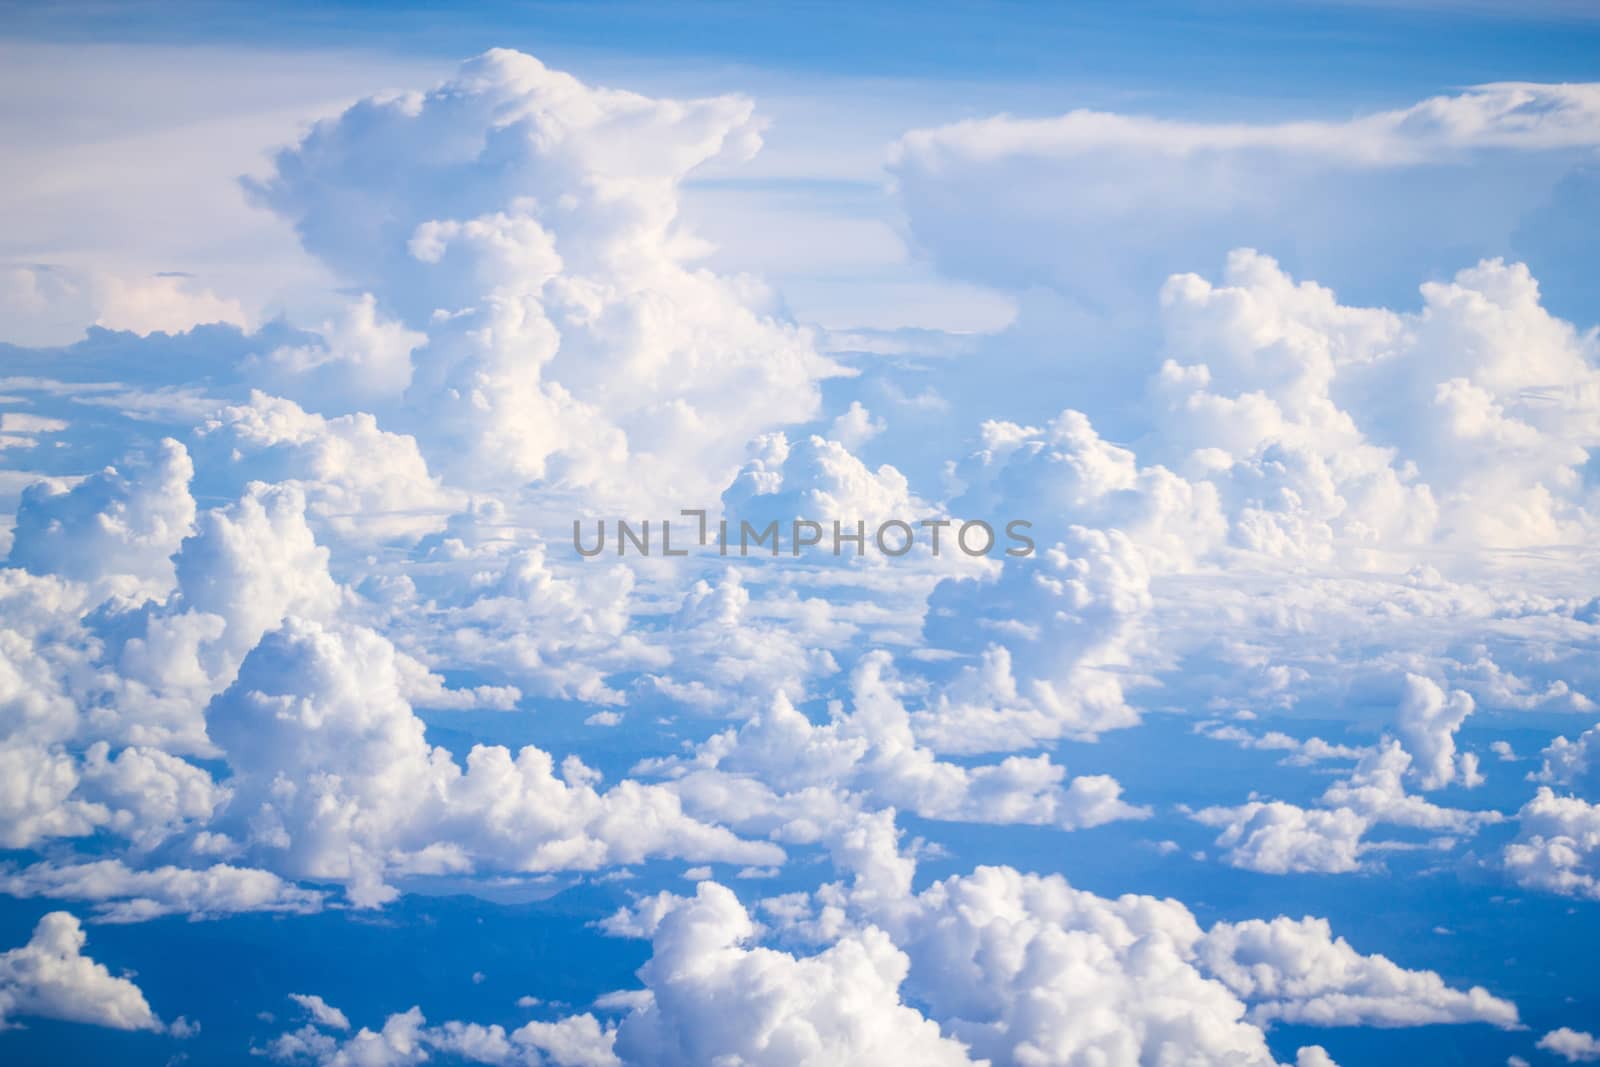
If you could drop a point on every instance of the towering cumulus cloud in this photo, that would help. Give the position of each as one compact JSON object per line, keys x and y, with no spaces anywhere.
{"x":525,"y":225}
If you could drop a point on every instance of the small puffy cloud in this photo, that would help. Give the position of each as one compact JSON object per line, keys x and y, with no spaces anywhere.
{"x":322,"y":1013}
{"x":1375,"y":790}
{"x":1427,"y":725}
{"x":406,"y":1038}
{"x":1574,"y":764}
{"x":855,"y":427}
{"x":1574,"y":1046}
{"x":400,"y":1042}
{"x":51,"y":978}
{"x":1557,"y":848}
{"x":1279,"y":838}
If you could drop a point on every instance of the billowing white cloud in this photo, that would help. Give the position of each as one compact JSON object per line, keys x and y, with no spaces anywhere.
{"x":51,"y":978}
{"x":333,"y":780}
{"x":524,"y":222}
{"x":1028,"y":969}
{"x":1557,"y":848}
{"x":1298,"y":972}
{"x":115,"y":524}
{"x":361,"y":482}
{"x":1427,"y":725}
{"x":781,"y":770}
{"x":1275,"y":837}
{"x":1280,"y":838}
{"x":1574,"y":764}
{"x":713,"y":999}
{"x":1066,"y":621}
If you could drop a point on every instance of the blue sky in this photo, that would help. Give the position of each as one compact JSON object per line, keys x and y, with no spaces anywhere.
{"x":320,"y":328}
{"x":1240,"y":48}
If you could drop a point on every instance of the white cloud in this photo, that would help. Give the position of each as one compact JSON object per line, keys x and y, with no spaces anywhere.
{"x":1067,"y":620}
{"x":780,"y":770}
{"x":856,"y":426}
{"x":333,"y":780}
{"x":405,"y":1038}
{"x":1279,"y":838}
{"x":1574,"y":1046}
{"x":525,"y":221}
{"x":1298,"y":972}
{"x":121,"y":894}
{"x":713,"y":999}
{"x":1099,"y":206}
{"x":1275,"y":837}
{"x":1427,"y":725}
{"x":322,"y":1013}
{"x":46,"y":304}
{"x":1557,"y":848}
{"x":51,"y":978}
{"x":361,"y":483}
{"x":1281,"y":498}
{"x":359,"y":358}
{"x":1575,"y":764}
{"x":1300,"y":753}
{"x":116,"y":524}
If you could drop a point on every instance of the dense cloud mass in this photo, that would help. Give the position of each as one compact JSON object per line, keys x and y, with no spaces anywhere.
{"x":51,"y":978}
{"x":292,"y":628}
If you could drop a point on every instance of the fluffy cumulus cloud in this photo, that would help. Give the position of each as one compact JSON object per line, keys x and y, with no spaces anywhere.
{"x":406,"y":1038}
{"x":1297,"y":971}
{"x":114,"y":524}
{"x":1427,"y":724}
{"x":51,"y":978}
{"x":713,"y":997}
{"x":1027,"y":969}
{"x":334,"y":780}
{"x":1276,"y":837}
{"x":777,"y":768}
{"x":1557,"y":848}
{"x":1574,"y":1046}
{"x":1574,"y":764}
